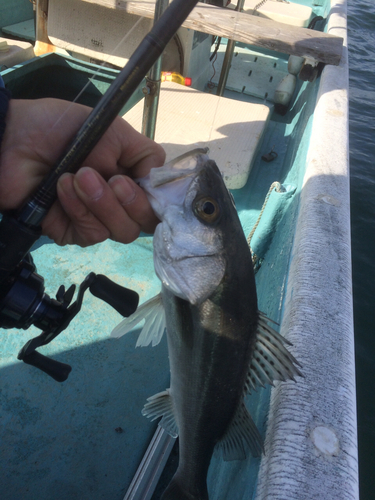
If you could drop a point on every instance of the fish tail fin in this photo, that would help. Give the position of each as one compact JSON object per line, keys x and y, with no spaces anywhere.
{"x":175,"y":491}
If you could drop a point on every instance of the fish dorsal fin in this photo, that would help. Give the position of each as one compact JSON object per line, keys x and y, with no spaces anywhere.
{"x":271,"y":359}
{"x":153,"y":313}
{"x":241,"y":437}
{"x":161,"y":405}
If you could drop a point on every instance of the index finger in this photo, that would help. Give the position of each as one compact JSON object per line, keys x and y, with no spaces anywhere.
{"x":123,"y":150}
{"x":142,"y":154}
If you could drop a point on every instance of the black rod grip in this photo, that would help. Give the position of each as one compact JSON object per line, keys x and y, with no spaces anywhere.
{"x":16,"y":239}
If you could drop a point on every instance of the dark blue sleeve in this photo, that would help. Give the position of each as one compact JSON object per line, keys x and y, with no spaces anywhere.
{"x":4,"y":103}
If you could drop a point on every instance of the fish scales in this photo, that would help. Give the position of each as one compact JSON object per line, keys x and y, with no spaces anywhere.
{"x":217,"y":339}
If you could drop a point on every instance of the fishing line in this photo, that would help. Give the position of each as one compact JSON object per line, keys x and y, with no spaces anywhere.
{"x":91,"y":78}
{"x":100,"y":71}
{"x":22,"y":289}
{"x":107,"y":109}
{"x":101,"y":66}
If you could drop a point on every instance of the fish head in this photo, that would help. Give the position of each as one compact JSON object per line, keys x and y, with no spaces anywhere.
{"x":190,"y":198}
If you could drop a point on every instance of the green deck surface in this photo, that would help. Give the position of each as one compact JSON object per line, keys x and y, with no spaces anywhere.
{"x":63,"y":77}
{"x":15,"y":11}
{"x":24,"y":30}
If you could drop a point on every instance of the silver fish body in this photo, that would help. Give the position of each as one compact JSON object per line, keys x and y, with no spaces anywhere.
{"x":209,"y":367}
{"x":219,"y":346}
{"x":210,"y":344}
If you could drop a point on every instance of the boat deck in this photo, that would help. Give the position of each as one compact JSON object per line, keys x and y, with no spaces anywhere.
{"x":85,"y":438}
{"x":91,"y":424}
{"x":189,"y":119}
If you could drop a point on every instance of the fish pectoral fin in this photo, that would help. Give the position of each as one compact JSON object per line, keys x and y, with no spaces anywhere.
{"x":241,"y":437}
{"x":161,"y":405}
{"x":271,"y":359}
{"x":153,"y":313}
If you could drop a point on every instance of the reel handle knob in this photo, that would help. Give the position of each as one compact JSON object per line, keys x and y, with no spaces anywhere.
{"x":55,"y":369}
{"x":124,"y":300}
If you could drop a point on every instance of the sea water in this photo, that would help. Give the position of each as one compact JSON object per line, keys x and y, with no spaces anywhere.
{"x":361,"y":32}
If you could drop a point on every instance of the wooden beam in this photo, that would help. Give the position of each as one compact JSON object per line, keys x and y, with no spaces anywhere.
{"x":246,"y":28}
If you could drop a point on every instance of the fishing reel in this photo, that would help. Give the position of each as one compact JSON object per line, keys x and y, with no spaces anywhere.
{"x":23,"y":301}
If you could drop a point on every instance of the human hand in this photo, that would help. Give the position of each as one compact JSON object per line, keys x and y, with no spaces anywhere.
{"x":96,"y":203}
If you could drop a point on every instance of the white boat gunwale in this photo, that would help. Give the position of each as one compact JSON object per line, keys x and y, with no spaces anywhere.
{"x":311,"y":440}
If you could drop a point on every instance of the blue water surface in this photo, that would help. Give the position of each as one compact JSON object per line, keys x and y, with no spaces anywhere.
{"x":361,"y":27}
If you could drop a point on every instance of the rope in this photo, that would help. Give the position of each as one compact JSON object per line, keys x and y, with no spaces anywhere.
{"x":275,"y":185}
{"x":313,"y":22}
{"x":260,"y":4}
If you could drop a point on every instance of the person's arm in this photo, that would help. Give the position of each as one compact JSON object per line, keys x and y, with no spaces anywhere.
{"x":4,"y":104}
{"x":101,"y":200}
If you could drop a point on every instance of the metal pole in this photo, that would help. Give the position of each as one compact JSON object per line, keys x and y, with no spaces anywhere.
{"x":151,"y":467}
{"x":152,"y":89}
{"x":227,"y":58}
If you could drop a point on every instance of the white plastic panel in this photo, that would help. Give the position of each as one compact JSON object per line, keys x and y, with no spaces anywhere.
{"x":251,"y":72}
{"x":188,"y":119}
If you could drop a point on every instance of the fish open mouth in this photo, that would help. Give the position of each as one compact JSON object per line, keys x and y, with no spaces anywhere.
{"x":168,"y":185}
{"x":185,"y":248}
{"x":179,"y":168}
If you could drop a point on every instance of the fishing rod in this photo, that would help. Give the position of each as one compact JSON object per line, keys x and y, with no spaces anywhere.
{"x":22,"y":299}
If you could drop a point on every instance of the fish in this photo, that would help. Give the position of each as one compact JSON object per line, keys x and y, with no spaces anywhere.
{"x":220,"y":346}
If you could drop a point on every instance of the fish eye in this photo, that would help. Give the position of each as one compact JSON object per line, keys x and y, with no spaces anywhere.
{"x":206,"y":209}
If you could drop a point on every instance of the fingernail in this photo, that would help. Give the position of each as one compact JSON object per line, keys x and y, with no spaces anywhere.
{"x":89,"y":183}
{"x":66,"y":185}
{"x":123,"y":189}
